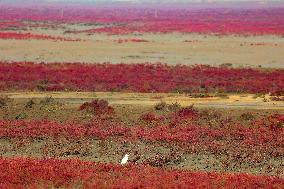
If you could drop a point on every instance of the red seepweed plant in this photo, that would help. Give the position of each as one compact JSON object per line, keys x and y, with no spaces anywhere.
{"x":98,"y":107}
{"x":26,"y":36}
{"x":34,"y":173}
{"x":139,"y":78}
{"x":128,"y":20}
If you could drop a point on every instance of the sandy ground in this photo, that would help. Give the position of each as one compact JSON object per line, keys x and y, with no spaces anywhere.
{"x":166,"y":48}
{"x":247,"y":101}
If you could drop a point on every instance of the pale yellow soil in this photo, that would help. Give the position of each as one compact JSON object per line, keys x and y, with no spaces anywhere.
{"x":165,"y":48}
{"x":150,"y":99}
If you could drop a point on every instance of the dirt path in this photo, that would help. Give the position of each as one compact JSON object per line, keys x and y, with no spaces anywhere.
{"x":247,"y":101}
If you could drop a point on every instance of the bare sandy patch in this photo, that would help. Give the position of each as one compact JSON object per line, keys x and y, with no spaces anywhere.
{"x":190,"y":49}
{"x":248,"y":101}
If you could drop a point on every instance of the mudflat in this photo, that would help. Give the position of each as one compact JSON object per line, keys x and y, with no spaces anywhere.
{"x":174,"y":48}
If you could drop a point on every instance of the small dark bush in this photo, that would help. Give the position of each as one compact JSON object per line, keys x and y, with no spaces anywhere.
{"x":97,"y":107}
{"x":247,"y":116}
{"x":187,"y":112}
{"x":151,"y":117}
{"x":221,"y":95}
{"x":162,"y":160}
{"x":226,"y":65}
{"x":200,"y":95}
{"x":161,"y":106}
{"x":276,"y":121}
{"x":277,"y":98}
{"x":47,"y":100}
{"x":174,"y":107}
{"x":4,"y":101}
{"x":30,"y":104}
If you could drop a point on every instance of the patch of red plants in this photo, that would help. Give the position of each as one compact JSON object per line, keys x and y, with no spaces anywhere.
{"x":274,"y":122}
{"x":187,"y":112}
{"x":131,"y":40}
{"x":45,"y":173}
{"x":6,"y":25}
{"x":191,"y":41}
{"x":97,"y":107}
{"x":264,"y":137}
{"x":254,"y":21}
{"x":206,"y":21}
{"x":151,"y":117}
{"x":259,"y":44}
{"x":25,"y":36}
{"x":99,"y":128}
{"x":138,"y":78}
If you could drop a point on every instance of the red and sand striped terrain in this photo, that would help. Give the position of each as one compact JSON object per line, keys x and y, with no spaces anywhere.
{"x":194,"y":96}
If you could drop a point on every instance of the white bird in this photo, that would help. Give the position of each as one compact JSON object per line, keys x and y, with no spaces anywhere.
{"x":124,"y":159}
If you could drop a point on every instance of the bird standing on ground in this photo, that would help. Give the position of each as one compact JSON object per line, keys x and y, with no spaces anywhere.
{"x":124,"y":159}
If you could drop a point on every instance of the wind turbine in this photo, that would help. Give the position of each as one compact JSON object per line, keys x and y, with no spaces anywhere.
{"x":61,"y":13}
{"x":156,"y":13}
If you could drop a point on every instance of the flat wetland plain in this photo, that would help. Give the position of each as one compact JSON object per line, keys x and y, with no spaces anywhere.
{"x":130,"y":110}
{"x":173,"y":48}
{"x":233,"y":139}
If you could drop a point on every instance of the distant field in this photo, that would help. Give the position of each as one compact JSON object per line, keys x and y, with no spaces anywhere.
{"x":174,"y":48}
{"x":241,"y":37}
{"x":125,"y":20}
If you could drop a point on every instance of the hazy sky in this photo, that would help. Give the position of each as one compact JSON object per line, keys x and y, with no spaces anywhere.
{"x":264,"y":2}
{"x":163,"y":0}
{"x":167,"y":0}
{"x":148,"y":1}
